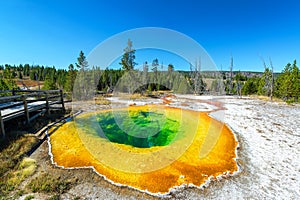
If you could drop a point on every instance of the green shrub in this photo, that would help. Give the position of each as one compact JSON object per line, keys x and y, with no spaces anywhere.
{"x":29,"y":197}
{"x":54,"y":197}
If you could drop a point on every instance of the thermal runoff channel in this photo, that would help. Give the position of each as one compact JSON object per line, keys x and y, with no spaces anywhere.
{"x":152,"y":148}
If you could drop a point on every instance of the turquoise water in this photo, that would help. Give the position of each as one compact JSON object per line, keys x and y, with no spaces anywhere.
{"x":138,"y":128}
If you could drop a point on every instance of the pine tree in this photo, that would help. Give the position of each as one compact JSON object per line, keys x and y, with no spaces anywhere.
{"x":250,"y":86}
{"x":295,"y":77}
{"x":84,"y":87}
{"x":284,"y":83}
{"x":128,"y":63}
{"x":61,"y":78}
{"x":264,"y":87}
{"x":183,"y":87}
{"x":82,"y":63}
{"x":3,"y":85}
{"x":155,"y":64}
{"x":50,"y":81}
{"x":128,"y":58}
{"x":288,"y":83}
{"x":20,"y":75}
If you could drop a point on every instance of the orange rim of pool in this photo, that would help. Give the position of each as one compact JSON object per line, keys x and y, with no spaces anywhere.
{"x":151,"y":148}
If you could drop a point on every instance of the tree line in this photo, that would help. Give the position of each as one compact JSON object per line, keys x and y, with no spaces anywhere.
{"x":285,"y":86}
{"x":50,"y":76}
{"x":88,"y":79}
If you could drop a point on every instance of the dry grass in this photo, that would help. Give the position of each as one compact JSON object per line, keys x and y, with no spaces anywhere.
{"x":49,"y":183}
{"x":26,"y":168}
{"x":13,"y":167}
{"x":29,"y":83}
{"x":266,"y":98}
{"x":100,"y":100}
{"x":130,"y":96}
{"x":137,"y":96}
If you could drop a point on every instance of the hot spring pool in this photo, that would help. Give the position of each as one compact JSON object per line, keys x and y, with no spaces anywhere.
{"x":150,"y":148}
{"x":138,"y":128}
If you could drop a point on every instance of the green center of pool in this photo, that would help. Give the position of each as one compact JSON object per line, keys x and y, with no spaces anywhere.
{"x":139,"y":128}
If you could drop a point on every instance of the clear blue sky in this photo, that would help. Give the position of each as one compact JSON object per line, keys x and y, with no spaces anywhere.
{"x":53,"y":32}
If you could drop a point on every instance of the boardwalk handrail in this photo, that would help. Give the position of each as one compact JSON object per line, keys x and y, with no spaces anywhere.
{"x":23,"y":102}
{"x":28,"y":91}
{"x":15,"y":97}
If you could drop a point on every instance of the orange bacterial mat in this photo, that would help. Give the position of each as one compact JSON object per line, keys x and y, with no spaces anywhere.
{"x":201,"y":148}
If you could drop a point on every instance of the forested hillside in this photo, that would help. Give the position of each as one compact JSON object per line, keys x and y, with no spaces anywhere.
{"x":284,"y":85}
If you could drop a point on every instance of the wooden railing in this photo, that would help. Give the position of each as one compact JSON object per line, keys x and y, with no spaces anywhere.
{"x":28,"y":103}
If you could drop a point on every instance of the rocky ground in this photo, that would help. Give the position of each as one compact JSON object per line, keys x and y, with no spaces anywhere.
{"x":269,"y":138}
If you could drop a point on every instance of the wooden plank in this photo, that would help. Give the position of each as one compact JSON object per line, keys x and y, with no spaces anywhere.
{"x":52,"y":91}
{"x":5,"y":91}
{"x":26,"y":109}
{"x":54,"y":102}
{"x":9,"y":117}
{"x":20,"y":111}
{"x":2,"y":126}
{"x":36,"y":115}
{"x":62,"y":100}
{"x":2,"y":107}
{"x":9,"y":98}
{"x":47,"y":104}
{"x":28,"y":91}
{"x":54,"y":96}
{"x":12,"y":114}
{"x":55,"y":108}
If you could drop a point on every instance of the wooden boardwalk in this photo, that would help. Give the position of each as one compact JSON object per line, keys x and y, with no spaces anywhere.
{"x":28,"y":103}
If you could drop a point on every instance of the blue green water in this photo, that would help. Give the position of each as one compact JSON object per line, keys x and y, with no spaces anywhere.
{"x":138,"y":128}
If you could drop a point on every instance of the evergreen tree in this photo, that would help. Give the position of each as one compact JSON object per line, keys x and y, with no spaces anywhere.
{"x":7,"y":72}
{"x":128,"y":63}
{"x":128,"y":57}
{"x":84,"y":87}
{"x":251,"y":86}
{"x":61,"y":78}
{"x":264,"y":87}
{"x":26,"y":70}
{"x":145,"y":78}
{"x":82,"y":63}
{"x":288,"y":83}
{"x":295,"y":77}
{"x":285,"y":83}
{"x":238,"y":79}
{"x":33,"y":75}
{"x":3,"y":85}
{"x":183,"y":87}
{"x":170,"y":68}
{"x":20,"y":75}
{"x":49,"y":83}
{"x":71,"y":76}
{"x":155,"y":64}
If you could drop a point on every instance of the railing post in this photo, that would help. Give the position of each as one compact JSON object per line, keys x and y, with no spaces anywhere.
{"x":47,"y":104}
{"x":62,"y":100}
{"x":26,"y":109}
{"x":2,"y":126}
